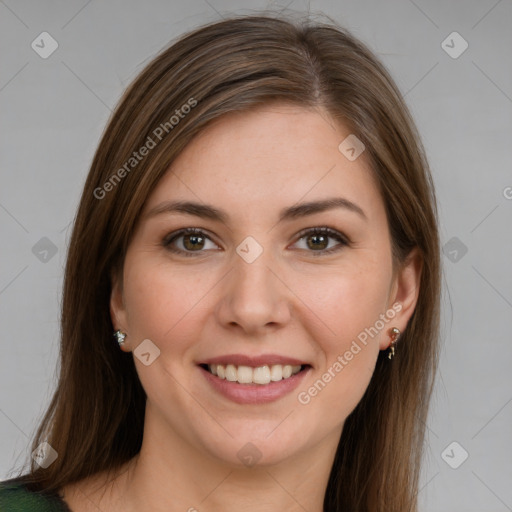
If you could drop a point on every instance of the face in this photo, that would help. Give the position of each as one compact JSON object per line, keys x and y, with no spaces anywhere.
{"x":263,"y":286}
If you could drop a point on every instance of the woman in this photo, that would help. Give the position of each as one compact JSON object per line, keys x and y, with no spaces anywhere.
{"x":259,"y":230}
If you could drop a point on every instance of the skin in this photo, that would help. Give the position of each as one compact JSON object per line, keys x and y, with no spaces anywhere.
{"x":289,"y":301}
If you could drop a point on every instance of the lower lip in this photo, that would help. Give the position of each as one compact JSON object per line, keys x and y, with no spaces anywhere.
{"x":254,"y":393}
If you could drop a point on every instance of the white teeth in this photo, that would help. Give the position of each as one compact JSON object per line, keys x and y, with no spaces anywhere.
{"x":231,"y":373}
{"x":244,"y":374}
{"x":248,"y":375}
{"x":287,"y":371}
{"x":261,"y":375}
{"x":276,"y":372}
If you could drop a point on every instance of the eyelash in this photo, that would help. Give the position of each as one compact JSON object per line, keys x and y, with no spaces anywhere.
{"x":324,"y":230}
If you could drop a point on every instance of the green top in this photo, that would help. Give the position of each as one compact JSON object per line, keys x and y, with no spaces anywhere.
{"x":15,"y":497}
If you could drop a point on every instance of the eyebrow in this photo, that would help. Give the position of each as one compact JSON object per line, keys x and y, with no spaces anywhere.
{"x":207,"y":211}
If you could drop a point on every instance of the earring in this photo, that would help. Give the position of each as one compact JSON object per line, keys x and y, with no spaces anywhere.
{"x":395,"y":334}
{"x":120,"y":337}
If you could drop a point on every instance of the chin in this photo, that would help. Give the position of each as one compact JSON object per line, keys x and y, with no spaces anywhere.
{"x":267,"y":444}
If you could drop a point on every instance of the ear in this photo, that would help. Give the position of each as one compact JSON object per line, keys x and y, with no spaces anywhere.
{"x":404,"y":293}
{"x":117,"y":307}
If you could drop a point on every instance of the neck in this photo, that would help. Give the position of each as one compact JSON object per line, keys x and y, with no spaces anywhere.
{"x":170,"y":475}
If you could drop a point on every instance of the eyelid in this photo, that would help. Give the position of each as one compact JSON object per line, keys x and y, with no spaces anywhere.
{"x":323,"y":230}
{"x":166,"y":242}
{"x":334,"y":233}
{"x":343,"y":240}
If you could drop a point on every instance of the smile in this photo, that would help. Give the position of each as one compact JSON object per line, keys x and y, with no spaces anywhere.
{"x":261,"y":375}
{"x":260,"y":384}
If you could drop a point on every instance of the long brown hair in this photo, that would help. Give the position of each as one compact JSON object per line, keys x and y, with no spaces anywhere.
{"x":95,"y":419}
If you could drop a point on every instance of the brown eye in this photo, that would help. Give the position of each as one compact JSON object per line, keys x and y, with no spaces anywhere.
{"x":192,"y":242}
{"x":188,"y":241}
{"x":318,"y":240}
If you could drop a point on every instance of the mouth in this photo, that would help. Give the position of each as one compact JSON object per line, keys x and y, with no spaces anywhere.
{"x":260,"y":375}
{"x":253,"y":379}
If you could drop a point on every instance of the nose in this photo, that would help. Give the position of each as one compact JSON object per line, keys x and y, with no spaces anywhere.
{"x":255,"y":297}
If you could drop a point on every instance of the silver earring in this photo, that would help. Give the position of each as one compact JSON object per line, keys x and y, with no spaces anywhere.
{"x":120,"y":337}
{"x":395,"y":334}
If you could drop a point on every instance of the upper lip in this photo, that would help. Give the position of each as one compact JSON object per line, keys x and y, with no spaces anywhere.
{"x":255,"y":361}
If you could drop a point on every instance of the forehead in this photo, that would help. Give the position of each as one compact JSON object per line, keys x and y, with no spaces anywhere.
{"x":273,"y":155}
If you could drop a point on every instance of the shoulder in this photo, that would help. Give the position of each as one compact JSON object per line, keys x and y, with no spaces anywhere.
{"x":16,"y":497}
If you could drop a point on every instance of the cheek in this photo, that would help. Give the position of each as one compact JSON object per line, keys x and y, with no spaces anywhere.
{"x":349,"y":304}
{"x":346,"y":300}
{"x":158,"y":299}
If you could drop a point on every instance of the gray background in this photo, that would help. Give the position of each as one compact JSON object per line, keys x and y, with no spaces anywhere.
{"x":54,"y":111}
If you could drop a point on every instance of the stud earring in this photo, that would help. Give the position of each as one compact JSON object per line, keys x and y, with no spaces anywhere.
{"x":120,"y":337}
{"x":395,"y":334}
